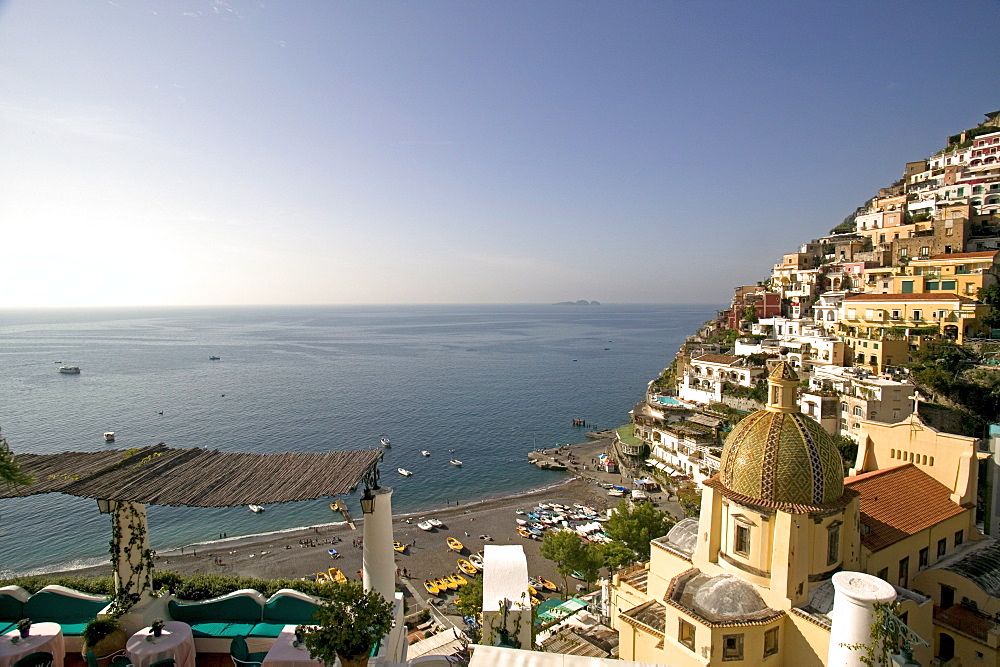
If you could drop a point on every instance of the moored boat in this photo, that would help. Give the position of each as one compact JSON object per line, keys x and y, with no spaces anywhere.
{"x":213,"y":358}
{"x":459,"y":579}
{"x":337,"y":576}
{"x":431,"y":587}
{"x":399,"y":547}
{"x":456,"y":463}
{"x":466,"y":566}
{"x":322,"y":578}
{"x":451,"y":583}
{"x":477,"y":561}
{"x":256,"y":509}
{"x":109,"y":436}
{"x":385,"y":441}
{"x":424,"y":452}
{"x":69,"y":370}
{"x":437,"y":523}
{"x":424,"y":525}
{"x":523,"y":532}
{"x":442,"y":585}
{"x":404,"y":472}
{"x":546,"y":584}
{"x":454,"y":544}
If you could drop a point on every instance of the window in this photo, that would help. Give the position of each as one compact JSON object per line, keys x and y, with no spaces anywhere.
{"x":894,"y":315}
{"x":924,"y":557}
{"x":895,"y":416}
{"x":904,"y":572}
{"x":883,"y":574}
{"x":859,"y":411}
{"x":770,"y":642}
{"x":931,"y":285}
{"x":832,"y":544}
{"x":852,"y":314}
{"x":948,"y":284}
{"x":732,"y":647}
{"x":843,"y":407}
{"x":685,"y":634}
{"x":925,"y":250}
{"x":907,"y":287}
{"x":869,"y":314}
{"x":959,"y":537}
{"x":918,"y":314}
{"x":742,"y":541}
{"x":942,"y":547}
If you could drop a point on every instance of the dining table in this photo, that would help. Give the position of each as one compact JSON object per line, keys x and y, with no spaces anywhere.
{"x":176,"y":641}
{"x":47,"y":637}
{"x":286,"y":652}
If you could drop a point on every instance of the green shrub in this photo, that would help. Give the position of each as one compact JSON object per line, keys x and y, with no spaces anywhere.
{"x":97,"y":629}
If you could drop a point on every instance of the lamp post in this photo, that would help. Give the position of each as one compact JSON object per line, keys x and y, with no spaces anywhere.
{"x":367,"y":501}
{"x":378,"y":558}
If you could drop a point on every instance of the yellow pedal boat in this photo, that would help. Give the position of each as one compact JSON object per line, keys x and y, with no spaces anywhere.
{"x":322,"y":578}
{"x":337,"y":575}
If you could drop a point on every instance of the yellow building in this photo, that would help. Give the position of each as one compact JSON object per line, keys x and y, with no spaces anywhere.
{"x":749,"y":581}
{"x":962,"y":273}
{"x":883,"y":329}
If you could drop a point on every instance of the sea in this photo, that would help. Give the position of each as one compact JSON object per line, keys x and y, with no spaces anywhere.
{"x":486,"y":384}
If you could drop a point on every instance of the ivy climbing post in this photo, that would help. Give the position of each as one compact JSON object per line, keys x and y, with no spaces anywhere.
{"x":131,"y":557}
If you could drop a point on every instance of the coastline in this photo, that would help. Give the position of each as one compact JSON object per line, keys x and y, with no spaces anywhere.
{"x":281,"y":554}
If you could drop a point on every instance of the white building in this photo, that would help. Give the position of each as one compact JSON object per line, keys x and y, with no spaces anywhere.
{"x":841,"y":398}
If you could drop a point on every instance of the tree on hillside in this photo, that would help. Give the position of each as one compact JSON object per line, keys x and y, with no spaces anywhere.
{"x":635,"y":524}
{"x":564,"y":548}
{"x":848,"y":450}
{"x":991,"y":296}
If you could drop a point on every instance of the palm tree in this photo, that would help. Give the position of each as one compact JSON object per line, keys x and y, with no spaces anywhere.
{"x":10,"y":472}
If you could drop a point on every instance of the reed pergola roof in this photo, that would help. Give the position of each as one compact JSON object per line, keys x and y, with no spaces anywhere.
{"x":161,"y":475}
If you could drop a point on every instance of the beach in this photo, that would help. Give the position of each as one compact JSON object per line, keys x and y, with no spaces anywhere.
{"x":304,"y":552}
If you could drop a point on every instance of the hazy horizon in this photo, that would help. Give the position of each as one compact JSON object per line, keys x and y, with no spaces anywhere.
{"x":197,"y":152}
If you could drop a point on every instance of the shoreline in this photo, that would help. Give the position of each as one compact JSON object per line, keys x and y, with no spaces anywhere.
{"x":302,"y":551}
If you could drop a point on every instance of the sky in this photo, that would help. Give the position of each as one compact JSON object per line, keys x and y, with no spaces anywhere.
{"x":204,"y":152}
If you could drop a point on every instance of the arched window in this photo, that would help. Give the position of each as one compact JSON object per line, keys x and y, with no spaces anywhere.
{"x":892,"y":453}
{"x":859,"y":411}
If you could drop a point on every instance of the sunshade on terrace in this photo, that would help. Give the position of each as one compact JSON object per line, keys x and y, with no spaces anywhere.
{"x":160,"y":475}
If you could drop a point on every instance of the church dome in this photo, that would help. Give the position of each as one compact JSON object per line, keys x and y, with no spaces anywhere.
{"x":779,"y":456}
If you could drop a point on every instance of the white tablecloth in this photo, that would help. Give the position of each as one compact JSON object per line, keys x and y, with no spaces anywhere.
{"x":283,"y":654}
{"x":176,"y":642}
{"x":46,"y":637}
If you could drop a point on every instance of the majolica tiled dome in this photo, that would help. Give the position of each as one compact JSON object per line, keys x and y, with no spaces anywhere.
{"x":778,"y":455}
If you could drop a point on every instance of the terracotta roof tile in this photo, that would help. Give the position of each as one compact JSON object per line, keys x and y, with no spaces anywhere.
{"x":934,"y":296}
{"x":716,"y":358}
{"x":899,"y":502}
{"x":983,"y":254}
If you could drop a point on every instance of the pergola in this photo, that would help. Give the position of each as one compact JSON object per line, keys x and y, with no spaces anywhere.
{"x":124,"y":481}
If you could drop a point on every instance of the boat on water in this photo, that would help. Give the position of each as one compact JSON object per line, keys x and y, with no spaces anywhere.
{"x":431,"y":587}
{"x":256,"y":509}
{"x":337,"y":575}
{"x":404,"y":472}
{"x":399,"y":547}
{"x":477,"y":561}
{"x":466,"y":566}
{"x":425,"y":525}
{"x":456,"y":463}
{"x":454,"y":544}
{"x":214,"y":358}
{"x":69,"y":370}
{"x":109,"y":436}
{"x":385,"y":441}
{"x":437,"y":523}
{"x":424,"y":452}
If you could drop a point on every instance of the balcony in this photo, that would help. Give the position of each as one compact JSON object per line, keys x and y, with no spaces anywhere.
{"x":964,"y":620}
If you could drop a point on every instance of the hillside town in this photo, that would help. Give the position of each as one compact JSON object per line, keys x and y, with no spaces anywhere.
{"x":838,"y":418}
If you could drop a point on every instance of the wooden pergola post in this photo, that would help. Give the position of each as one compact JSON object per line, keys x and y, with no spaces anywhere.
{"x":131,"y":557}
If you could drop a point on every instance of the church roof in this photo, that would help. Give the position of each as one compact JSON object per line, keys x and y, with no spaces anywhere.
{"x":782,"y":458}
{"x":724,"y":599}
{"x":980,"y":565}
{"x":783,"y":371}
{"x":887,"y":507}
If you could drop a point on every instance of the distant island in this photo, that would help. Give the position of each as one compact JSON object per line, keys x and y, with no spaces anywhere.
{"x":581,"y":302}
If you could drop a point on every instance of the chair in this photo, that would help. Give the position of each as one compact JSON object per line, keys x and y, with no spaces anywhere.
{"x":36,"y":659}
{"x":118,"y":659}
{"x":241,"y":654}
{"x":166,"y":662}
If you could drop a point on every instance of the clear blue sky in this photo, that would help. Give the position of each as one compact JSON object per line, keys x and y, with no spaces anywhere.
{"x":200,"y":152}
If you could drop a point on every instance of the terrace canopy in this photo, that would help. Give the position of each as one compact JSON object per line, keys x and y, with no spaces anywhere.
{"x":124,"y":481}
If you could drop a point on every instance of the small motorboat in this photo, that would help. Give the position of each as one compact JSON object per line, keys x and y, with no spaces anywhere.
{"x":576,"y":574}
{"x":70,"y":370}
{"x":337,"y":576}
{"x":456,"y":463}
{"x":437,"y":523}
{"x":459,"y":579}
{"x":424,"y":452}
{"x":466,"y":566}
{"x":385,"y":441}
{"x":425,"y":525}
{"x":454,"y":544}
{"x":399,"y":547}
{"x":546,"y":584}
{"x":109,"y":436}
{"x":404,"y":472}
{"x":431,"y":587}
{"x":477,"y":561}
{"x":213,"y":358}
{"x":256,"y":509}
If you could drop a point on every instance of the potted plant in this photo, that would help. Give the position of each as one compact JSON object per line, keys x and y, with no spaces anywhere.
{"x":103,"y":636}
{"x":300,"y":633}
{"x":157,"y":627}
{"x":23,"y":626}
{"x":349,"y":623}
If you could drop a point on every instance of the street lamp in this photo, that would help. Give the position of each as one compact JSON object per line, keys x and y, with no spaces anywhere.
{"x":104,"y":506}
{"x":368,"y":501}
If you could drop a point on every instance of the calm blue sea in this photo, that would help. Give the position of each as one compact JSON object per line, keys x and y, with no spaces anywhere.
{"x":486,"y":384}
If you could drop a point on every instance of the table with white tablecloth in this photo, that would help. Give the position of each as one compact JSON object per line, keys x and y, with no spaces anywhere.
{"x":176,"y":642}
{"x":47,"y":637}
{"x":284,"y":653}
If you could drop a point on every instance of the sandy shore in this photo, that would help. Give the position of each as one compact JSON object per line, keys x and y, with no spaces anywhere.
{"x":282,"y":554}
